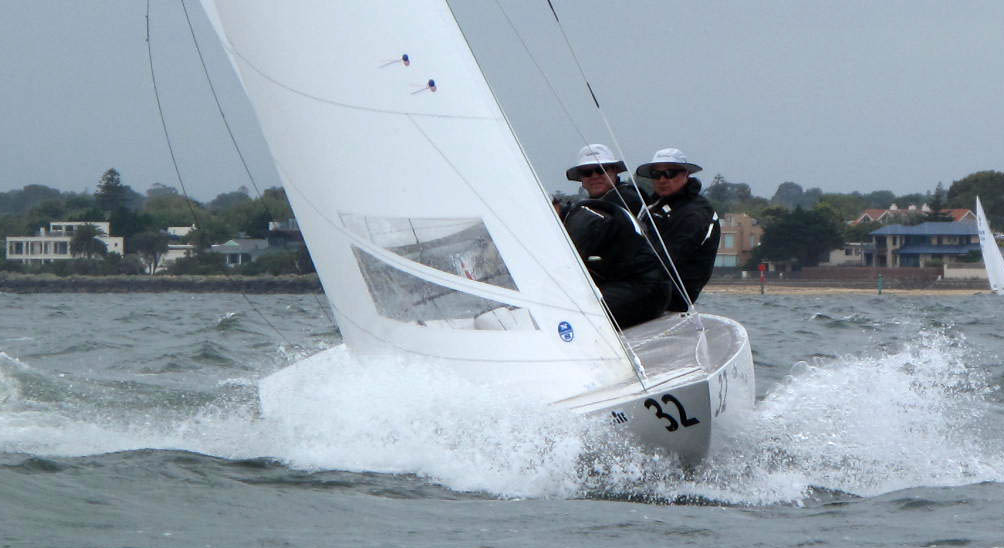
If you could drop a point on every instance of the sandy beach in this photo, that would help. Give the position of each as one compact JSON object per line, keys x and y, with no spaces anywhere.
{"x":793,"y":289}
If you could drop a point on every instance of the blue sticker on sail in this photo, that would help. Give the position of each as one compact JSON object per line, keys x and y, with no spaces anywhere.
{"x":566,"y":332}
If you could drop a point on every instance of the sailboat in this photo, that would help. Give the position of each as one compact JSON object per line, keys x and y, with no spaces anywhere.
{"x":432,"y":235}
{"x":991,"y":251}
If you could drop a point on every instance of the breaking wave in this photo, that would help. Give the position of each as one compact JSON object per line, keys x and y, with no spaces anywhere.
{"x":918,"y":415}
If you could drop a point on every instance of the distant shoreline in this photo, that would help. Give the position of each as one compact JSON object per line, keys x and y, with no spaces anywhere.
{"x":48,"y":283}
{"x":309,"y":283}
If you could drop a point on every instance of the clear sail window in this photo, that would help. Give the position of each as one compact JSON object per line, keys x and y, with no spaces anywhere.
{"x":404,"y":297}
{"x":462,"y":247}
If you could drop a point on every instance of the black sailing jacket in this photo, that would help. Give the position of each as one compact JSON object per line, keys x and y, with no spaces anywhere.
{"x":690,"y":229}
{"x":607,"y":238}
{"x":624,"y":195}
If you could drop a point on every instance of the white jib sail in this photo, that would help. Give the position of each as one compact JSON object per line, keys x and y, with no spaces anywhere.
{"x":991,"y":251}
{"x":430,"y":231}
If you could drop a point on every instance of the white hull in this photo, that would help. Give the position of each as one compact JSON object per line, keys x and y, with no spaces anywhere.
{"x":691,"y":385}
{"x":708,"y":385}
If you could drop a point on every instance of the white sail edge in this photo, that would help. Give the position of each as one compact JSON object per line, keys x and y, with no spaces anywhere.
{"x":992,"y":258}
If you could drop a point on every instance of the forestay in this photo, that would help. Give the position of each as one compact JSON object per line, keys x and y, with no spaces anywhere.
{"x":991,"y":252}
{"x":429,"y":229}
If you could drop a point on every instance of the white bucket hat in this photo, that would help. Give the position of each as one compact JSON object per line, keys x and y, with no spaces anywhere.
{"x":667,"y":156}
{"x":591,"y":155}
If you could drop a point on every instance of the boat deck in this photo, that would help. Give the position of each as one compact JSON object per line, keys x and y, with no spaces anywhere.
{"x":674,"y":341}
{"x":673,"y":352}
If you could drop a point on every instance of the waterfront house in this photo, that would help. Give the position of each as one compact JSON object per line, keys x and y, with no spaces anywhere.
{"x":926,"y":244}
{"x":284,"y":234}
{"x":175,"y":249}
{"x":54,"y":244}
{"x":241,"y":250}
{"x":740,"y":236}
{"x":850,"y":254}
{"x":177,"y":232}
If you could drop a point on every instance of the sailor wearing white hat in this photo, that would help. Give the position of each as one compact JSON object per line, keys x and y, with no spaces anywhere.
{"x":686,"y":221}
{"x":611,"y":242}
{"x":669,"y":171}
{"x":596,"y":169}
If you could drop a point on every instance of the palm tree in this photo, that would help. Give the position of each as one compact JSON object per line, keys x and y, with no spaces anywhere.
{"x":85,"y":242}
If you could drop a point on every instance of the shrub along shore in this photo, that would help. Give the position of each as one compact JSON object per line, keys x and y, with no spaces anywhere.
{"x":48,"y":283}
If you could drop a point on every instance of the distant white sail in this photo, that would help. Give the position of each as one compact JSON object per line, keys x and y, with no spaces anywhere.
{"x":991,"y":251}
{"x":429,"y":229}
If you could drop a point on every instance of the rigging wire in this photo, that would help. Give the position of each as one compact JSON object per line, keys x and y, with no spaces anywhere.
{"x":163,"y":121}
{"x":177,"y":170}
{"x":670,"y":269}
{"x":233,"y":138}
{"x":675,"y":276}
{"x":636,"y":361}
{"x":628,"y":351}
{"x":677,"y":284}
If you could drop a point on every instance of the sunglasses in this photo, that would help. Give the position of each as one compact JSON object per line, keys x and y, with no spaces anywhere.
{"x":590,"y":171}
{"x":667,"y":173}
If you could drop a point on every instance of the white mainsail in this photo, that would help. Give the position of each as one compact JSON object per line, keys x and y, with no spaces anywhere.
{"x":431,"y":233}
{"x":991,"y":251}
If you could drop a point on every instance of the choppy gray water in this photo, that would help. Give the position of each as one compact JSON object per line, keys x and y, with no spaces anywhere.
{"x":132,"y":420}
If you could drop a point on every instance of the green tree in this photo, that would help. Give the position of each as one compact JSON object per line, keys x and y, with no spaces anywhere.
{"x":80,"y":201}
{"x":160,"y":189}
{"x":49,"y":210}
{"x":20,"y":201}
{"x":174,"y":210}
{"x":989,"y":186}
{"x":250,"y":217}
{"x":86,"y":243}
{"x":787,"y":195}
{"x":212,"y":231}
{"x":229,"y":200}
{"x":848,"y":206}
{"x":277,"y":204}
{"x":906,"y":200}
{"x":861,"y":232}
{"x":938,"y":204}
{"x":151,"y":246}
{"x":804,"y":236}
{"x":113,"y":264}
{"x":199,"y":264}
{"x":879,"y":199}
{"x":127,"y":223}
{"x":111,"y":193}
{"x":811,"y":197}
{"x":726,"y":196}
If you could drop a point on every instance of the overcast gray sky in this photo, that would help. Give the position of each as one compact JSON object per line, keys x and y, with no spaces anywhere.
{"x":851,"y":95}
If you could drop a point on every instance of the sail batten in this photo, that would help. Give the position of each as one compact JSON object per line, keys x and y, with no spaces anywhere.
{"x":374,"y":152}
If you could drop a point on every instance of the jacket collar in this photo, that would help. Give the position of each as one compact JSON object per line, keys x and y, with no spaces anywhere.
{"x":687,"y":193}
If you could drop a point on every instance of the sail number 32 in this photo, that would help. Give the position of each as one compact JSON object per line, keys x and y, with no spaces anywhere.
{"x":672,"y":425}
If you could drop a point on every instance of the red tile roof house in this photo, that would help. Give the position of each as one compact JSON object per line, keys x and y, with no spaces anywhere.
{"x":894,"y":213}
